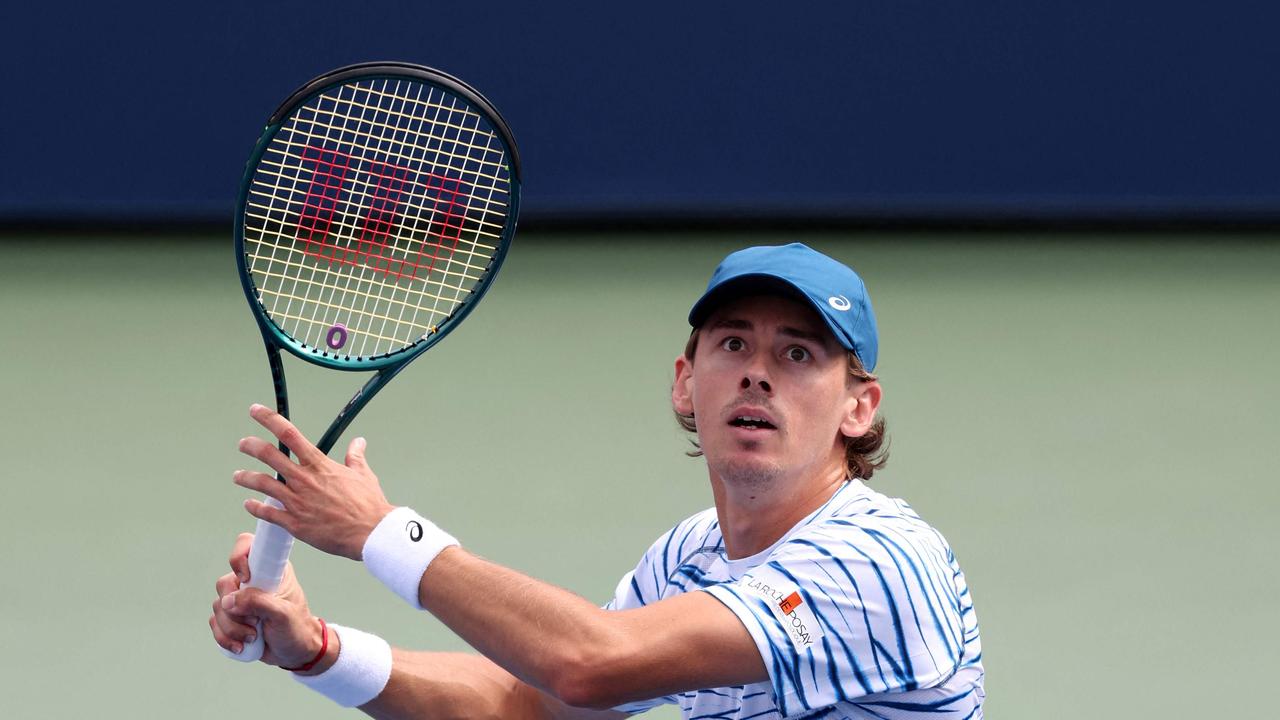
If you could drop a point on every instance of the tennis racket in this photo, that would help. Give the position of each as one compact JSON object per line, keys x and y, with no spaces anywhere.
{"x":373,"y":215}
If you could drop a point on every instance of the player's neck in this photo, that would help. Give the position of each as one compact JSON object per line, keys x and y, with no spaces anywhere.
{"x":754,"y":518}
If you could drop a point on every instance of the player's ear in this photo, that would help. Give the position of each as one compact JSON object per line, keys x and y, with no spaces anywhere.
{"x":860,"y":408}
{"x":682,"y":388}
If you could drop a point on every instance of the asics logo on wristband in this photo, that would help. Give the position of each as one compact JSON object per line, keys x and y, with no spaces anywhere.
{"x":399,"y":549}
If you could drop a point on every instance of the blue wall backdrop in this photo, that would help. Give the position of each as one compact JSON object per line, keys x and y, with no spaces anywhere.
{"x":994,"y":109}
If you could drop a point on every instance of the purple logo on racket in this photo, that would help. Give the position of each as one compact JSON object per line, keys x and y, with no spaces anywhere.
{"x":337,"y":336}
{"x":415,"y":530}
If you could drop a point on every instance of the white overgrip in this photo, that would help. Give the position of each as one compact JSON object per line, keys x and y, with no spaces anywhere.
{"x":267,"y":557}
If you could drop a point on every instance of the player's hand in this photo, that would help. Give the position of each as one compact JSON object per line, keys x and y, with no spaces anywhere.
{"x":328,"y":505}
{"x":290,"y":633}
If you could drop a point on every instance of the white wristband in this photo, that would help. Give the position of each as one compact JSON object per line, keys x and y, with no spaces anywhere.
{"x":360,"y":673}
{"x":400,"y":548}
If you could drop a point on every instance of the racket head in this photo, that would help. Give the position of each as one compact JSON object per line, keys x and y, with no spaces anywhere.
{"x":374,"y":213}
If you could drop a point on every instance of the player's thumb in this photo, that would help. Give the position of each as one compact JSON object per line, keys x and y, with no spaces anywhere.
{"x":355,"y":454}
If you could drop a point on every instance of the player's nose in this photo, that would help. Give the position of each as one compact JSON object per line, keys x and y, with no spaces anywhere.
{"x":756,"y":372}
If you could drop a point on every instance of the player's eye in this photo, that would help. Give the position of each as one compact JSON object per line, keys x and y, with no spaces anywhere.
{"x":733,"y":344}
{"x":795,"y":353}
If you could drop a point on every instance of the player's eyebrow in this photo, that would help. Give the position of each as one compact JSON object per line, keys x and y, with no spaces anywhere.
{"x":802,"y":334}
{"x":789,"y":331}
{"x":732,"y":324}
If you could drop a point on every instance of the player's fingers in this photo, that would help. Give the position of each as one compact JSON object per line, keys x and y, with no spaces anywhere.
{"x":255,"y":602}
{"x":239,"y":559}
{"x":287,"y":433}
{"x":227,"y":583}
{"x":270,"y":456}
{"x":239,"y":628}
{"x":355,"y":454}
{"x":221,"y":637}
{"x":273,"y":515}
{"x":266,"y":484}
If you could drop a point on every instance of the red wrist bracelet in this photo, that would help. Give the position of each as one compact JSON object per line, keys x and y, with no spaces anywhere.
{"x":324,"y":646}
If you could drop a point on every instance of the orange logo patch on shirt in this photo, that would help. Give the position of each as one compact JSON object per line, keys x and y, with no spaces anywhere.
{"x":790,"y":602}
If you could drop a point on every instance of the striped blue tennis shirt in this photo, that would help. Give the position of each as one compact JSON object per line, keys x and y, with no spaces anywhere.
{"x":859,"y":611}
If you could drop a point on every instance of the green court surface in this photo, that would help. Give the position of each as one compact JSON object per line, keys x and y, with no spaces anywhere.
{"x":1091,"y":420}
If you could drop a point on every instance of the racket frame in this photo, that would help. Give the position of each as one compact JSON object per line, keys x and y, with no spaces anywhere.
{"x":373,"y":71}
{"x":390,"y":364}
{"x":268,"y":572}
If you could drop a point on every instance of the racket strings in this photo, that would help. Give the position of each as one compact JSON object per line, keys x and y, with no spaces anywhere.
{"x":291,"y":163}
{"x":299,"y":318}
{"x":484,"y":225}
{"x":474,"y":165}
{"x":437,"y":124}
{"x":386,"y":291}
{"x":370,"y":206}
{"x":440,"y":133}
{"x":284,"y":221}
{"x":323,"y":181}
{"x":442,"y":129}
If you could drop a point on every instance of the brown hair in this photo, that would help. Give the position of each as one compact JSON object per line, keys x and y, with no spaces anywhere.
{"x":863,"y":455}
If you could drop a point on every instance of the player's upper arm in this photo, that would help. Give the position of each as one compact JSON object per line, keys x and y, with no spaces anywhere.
{"x":688,"y":642}
{"x":568,"y":712}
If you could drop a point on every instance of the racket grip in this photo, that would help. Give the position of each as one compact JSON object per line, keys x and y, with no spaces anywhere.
{"x":267,"y":558}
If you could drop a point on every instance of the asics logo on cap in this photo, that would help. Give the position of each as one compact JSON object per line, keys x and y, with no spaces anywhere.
{"x":839,"y":302}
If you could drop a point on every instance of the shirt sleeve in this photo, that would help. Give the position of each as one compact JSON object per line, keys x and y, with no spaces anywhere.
{"x":847,"y":609}
{"x":646,"y":582}
{"x":630,"y":594}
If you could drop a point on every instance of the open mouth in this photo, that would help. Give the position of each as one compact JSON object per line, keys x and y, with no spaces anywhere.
{"x":752,"y":422}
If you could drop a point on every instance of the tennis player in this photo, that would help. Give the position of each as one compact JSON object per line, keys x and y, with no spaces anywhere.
{"x":802,"y":594}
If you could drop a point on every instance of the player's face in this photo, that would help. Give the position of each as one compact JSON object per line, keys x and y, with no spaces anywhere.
{"x":770,"y":391}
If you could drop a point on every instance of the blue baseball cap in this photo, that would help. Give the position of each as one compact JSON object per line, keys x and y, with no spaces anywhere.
{"x":830,"y":287}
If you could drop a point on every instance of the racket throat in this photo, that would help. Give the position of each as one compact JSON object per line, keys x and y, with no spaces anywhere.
{"x":353,"y":408}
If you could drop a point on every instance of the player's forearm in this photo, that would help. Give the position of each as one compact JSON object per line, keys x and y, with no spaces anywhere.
{"x":454,"y":686}
{"x":547,"y":636}
{"x":435,"y":686}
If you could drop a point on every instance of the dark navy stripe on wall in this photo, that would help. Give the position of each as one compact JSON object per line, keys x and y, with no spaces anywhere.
{"x":1143,"y":109}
